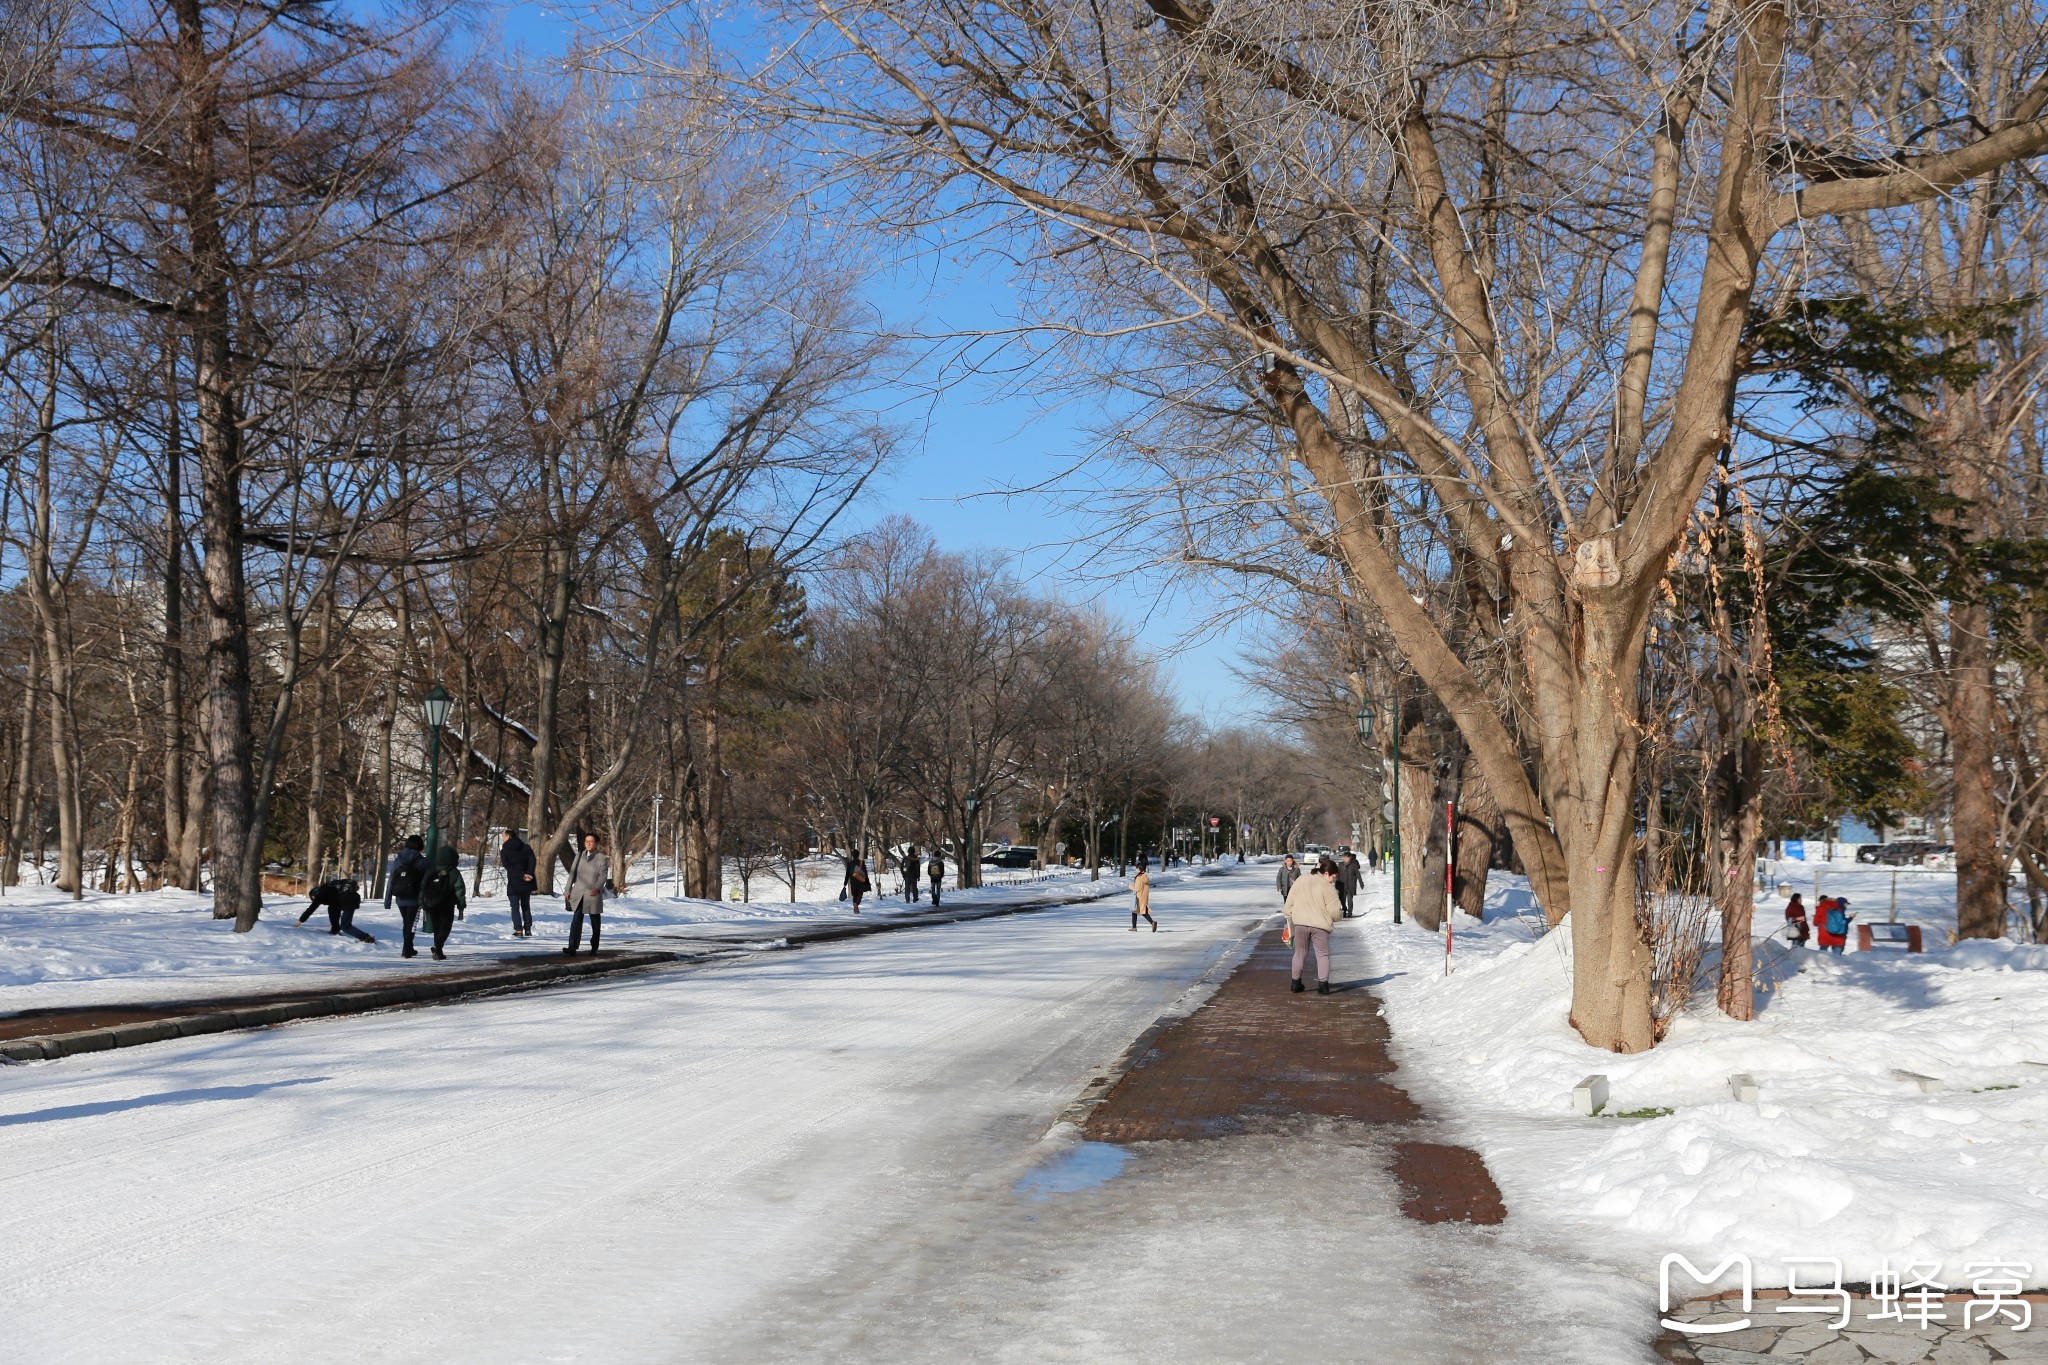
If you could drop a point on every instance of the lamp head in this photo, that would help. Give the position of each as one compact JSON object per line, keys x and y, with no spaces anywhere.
{"x":435,"y":704}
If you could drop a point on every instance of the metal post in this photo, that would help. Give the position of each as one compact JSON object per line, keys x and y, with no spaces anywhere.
{"x":433,"y":794}
{"x":1394,"y":839}
{"x":1894,"y":916}
{"x":656,"y":852}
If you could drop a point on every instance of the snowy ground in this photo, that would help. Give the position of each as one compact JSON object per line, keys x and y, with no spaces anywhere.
{"x":1839,"y":1158}
{"x":167,"y":945}
{"x":836,"y":1153}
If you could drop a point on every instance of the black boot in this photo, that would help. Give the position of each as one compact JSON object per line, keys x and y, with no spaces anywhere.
{"x":1296,"y":986}
{"x":1322,"y":988}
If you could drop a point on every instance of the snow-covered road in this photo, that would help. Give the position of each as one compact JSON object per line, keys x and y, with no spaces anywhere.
{"x":803,"y":1155}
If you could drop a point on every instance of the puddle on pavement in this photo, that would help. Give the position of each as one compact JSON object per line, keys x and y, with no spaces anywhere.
{"x":1084,"y":1166}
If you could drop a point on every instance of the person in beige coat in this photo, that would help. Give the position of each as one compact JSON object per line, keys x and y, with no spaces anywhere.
{"x":588,"y":878}
{"x":1141,"y":903}
{"x":1312,"y":907}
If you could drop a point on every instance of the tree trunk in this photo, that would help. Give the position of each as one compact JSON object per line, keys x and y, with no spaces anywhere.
{"x":19,"y":811}
{"x":180,"y":852}
{"x":1422,"y":894}
{"x":316,"y":786}
{"x":1980,"y":871}
{"x":67,"y":777}
{"x":1478,"y":833}
{"x":554,"y":646}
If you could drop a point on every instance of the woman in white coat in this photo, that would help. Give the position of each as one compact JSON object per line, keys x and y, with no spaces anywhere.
{"x":1312,"y":907}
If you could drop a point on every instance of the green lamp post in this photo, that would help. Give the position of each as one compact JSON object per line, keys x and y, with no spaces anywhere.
{"x":435,"y":705}
{"x":1366,"y":714}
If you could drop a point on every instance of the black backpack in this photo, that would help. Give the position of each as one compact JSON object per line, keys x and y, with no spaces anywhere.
{"x":406,"y":878}
{"x":439,"y":892}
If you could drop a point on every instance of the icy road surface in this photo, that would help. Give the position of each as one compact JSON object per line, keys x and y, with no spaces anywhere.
{"x":837,"y":1153}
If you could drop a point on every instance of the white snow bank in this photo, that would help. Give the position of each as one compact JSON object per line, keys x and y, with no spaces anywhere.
{"x":56,"y":952}
{"x":1840,"y":1157}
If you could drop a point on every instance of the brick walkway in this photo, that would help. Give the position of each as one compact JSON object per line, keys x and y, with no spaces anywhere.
{"x":1255,"y":1055}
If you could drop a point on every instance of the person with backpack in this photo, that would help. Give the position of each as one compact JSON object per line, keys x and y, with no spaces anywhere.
{"x":935,"y":873}
{"x":912,"y":868}
{"x":402,"y":881}
{"x":342,"y":899}
{"x":1834,"y":923}
{"x":516,"y":857}
{"x":589,"y":875}
{"x":442,"y":898}
{"x":1141,"y":899}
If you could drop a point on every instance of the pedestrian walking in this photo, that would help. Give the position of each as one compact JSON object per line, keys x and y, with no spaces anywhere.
{"x":1348,"y":876}
{"x":1290,"y":872}
{"x":402,"y":881}
{"x":1141,"y":900}
{"x":912,"y":867}
{"x":1372,"y":859}
{"x":589,"y":875}
{"x":1796,"y":923}
{"x":935,"y":873}
{"x":1834,"y":923}
{"x":343,"y":898}
{"x":442,"y":898}
{"x":857,"y":881}
{"x":515,"y":855}
{"x":1312,"y":908}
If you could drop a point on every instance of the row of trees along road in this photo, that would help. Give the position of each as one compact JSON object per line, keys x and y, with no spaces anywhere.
{"x":1420,"y":304}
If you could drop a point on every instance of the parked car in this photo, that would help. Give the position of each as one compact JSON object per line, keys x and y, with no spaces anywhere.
{"x":1014,"y":856}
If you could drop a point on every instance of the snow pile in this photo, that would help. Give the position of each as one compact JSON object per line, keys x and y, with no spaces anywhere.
{"x":1841,"y":1156}
{"x":56,"y":952}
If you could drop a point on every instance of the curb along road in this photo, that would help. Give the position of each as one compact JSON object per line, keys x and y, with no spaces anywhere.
{"x":457,"y":986}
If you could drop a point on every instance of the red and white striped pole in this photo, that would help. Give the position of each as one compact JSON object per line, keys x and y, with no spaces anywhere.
{"x":1450,"y":882}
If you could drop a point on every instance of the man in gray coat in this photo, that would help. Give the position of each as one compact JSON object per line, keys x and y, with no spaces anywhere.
{"x":588,"y":877}
{"x":1348,"y":875}
{"x":1289,"y":874}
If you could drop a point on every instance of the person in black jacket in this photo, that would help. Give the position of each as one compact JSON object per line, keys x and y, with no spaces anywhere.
{"x":913,"y":868}
{"x":342,"y":898}
{"x":402,"y":882}
{"x":935,"y":872}
{"x":516,"y":857}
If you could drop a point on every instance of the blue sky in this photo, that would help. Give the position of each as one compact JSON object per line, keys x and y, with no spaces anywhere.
{"x":980,"y":436}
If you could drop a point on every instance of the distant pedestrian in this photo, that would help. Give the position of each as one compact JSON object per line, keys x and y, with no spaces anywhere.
{"x":342,"y":898}
{"x":402,"y":881}
{"x":912,"y":869}
{"x":935,"y":873}
{"x":1141,"y":902}
{"x":1795,"y":921}
{"x":1372,"y":859}
{"x":857,"y":880}
{"x":515,"y":855}
{"x":1348,"y":875}
{"x":1290,"y":872}
{"x":1312,"y":907}
{"x":589,"y":876}
{"x":442,"y":898}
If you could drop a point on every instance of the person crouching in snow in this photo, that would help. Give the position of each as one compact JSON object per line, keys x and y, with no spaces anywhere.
{"x":1312,"y":908}
{"x":1141,"y":904}
{"x":342,"y":899}
{"x":1834,"y":923}
{"x":1795,"y":921}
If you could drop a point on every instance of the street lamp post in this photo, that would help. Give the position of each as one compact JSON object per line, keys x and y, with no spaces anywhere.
{"x":970,"y":856}
{"x":1366,"y":713}
{"x":435,"y":706}
{"x":657,"y":845}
